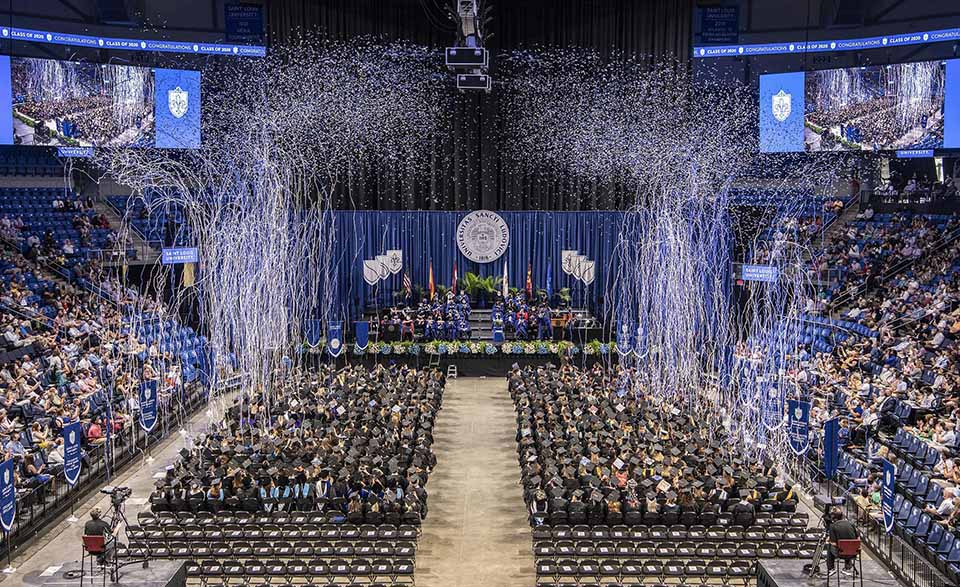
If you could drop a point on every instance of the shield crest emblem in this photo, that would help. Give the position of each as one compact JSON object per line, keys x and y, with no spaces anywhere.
{"x":781,"y":106}
{"x":371,"y":272}
{"x":383,"y":267}
{"x":798,"y":413}
{"x":588,"y":272}
{"x":178,"y":101}
{"x":566,"y":260}
{"x":395,"y":260}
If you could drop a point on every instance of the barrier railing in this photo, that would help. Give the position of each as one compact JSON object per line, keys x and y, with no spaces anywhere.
{"x":38,"y":507}
{"x":903,"y":560}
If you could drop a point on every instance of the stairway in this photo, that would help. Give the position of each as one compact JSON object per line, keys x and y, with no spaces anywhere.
{"x":146,"y":255}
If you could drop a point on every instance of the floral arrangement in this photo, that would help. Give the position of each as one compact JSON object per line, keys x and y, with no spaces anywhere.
{"x":515,"y":347}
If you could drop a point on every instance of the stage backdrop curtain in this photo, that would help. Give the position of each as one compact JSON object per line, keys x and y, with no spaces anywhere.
{"x":467,"y":166}
{"x":536,"y":238}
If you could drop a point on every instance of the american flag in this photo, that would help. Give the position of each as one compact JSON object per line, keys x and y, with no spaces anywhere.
{"x":407,"y":284}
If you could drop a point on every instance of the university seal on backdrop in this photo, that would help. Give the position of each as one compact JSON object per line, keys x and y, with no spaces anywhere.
{"x":781,"y":106}
{"x":483,"y":236}
{"x":177,"y":101}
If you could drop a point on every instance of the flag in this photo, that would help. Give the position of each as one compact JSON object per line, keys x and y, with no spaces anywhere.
{"x":407,"y":284}
{"x":549,"y":280}
{"x":506,"y":290}
{"x":453,"y":286}
{"x":430,"y":285}
{"x":529,"y":280}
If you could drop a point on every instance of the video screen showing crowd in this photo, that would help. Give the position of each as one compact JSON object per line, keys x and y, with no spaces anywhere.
{"x":593,"y":453}
{"x":81,"y":104}
{"x":353,"y":443}
{"x":520,"y":315}
{"x":898,"y":106}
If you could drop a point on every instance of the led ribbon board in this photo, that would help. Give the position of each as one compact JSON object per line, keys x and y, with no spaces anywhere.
{"x":788,"y":47}
{"x":97,"y":42}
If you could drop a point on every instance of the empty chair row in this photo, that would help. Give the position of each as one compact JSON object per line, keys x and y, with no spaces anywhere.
{"x":722,"y":570}
{"x":682,"y":550}
{"x":313,"y":572}
{"x":269,"y":532}
{"x":258,"y":519}
{"x":279,"y":549}
{"x":656,"y":533}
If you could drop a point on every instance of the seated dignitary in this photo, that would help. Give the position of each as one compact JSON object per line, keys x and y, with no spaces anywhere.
{"x":353,"y":442}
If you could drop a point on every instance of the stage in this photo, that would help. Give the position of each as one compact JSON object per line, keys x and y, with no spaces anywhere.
{"x":161,"y":573}
{"x":789,"y":573}
{"x":469,"y":365}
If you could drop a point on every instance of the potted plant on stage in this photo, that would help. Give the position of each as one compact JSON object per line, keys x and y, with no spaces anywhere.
{"x":480,"y":289}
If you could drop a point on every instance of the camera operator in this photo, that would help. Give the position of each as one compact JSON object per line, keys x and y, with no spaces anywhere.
{"x":838,"y":528}
{"x":95,"y":526}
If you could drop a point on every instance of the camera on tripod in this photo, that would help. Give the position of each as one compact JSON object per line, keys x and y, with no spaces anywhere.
{"x":118,"y":495}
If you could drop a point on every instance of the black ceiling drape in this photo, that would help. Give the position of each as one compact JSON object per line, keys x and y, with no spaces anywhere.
{"x":467,"y":169}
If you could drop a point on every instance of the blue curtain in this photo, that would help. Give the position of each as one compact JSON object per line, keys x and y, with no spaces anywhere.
{"x":535,"y":238}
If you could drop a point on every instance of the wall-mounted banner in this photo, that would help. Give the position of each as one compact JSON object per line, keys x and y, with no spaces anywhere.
{"x":834,"y":45}
{"x":148,"y":405}
{"x":626,"y":337}
{"x":798,"y":425}
{"x":363,"y":335}
{"x":179,"y":255}
{"x":888,"y":494}
{"x":71,"y":452}
{"x":314,"y":332}
{"x":831,"y":447}
{"x":75,"y":152}
{"x":483,"y":236}
{"x":335,"y":338}
{"x":91,"y":42}
{"x":579,"y":266}
{"x":8,"y":496}
{"x":382,"y":266}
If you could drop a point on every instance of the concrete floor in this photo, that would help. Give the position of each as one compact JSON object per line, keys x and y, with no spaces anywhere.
{"x":476,"y":532}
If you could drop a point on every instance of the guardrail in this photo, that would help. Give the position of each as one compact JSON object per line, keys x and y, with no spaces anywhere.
{"x":902,"y":559}
{"x":38,"y":507}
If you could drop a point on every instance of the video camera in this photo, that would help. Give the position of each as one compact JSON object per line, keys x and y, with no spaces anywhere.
{"x":117,"y":494}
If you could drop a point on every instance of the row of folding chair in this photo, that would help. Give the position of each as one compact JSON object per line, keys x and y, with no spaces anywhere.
{"x":271,"y":532}
{"x":301,"y":572}
{"x":280,"y":549}
{"x":683,"y":550}
{"x":597,"y":571}
{"x":676,"y":533}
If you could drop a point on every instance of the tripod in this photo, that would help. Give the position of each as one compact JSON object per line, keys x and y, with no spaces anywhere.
{"x":812,"y":569}
{"x":118,"y":516}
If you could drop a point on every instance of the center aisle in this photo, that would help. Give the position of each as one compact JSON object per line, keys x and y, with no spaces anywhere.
{"x":476,"y":531}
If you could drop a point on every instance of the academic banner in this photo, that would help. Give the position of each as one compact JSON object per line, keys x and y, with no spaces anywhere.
{"x":888,"y":494}
{"x":314,"y":332}
{"x":831,"y":447}
{"x":363,"y":335}
{"x":71,"y":452}
{"x":798,"y":425}
{"x":626,"y":337}
{"x":8,"y":496}
{"x":148,"y":405}
{"x":335,"y":339}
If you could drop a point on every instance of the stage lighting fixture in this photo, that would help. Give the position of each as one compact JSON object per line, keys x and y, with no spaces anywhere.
{"x":469,"y":57}
{"x":473,"y":82}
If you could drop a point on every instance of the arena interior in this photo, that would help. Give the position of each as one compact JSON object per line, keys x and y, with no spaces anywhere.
{"x":457,"y":293}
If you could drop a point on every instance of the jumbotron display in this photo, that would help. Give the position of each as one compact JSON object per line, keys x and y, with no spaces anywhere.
{"x":878,"y":108}
{"x":66,"y":103}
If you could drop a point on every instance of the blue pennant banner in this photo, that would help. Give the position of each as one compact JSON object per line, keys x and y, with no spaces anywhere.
{"x":626,"y":337}
{"x":888,"y":494}
{"x":798,"y":425}
{"x":335,"y":339}
{"x":363,"y":335}
{"x":831,"y":447}
{"x":8,"y":496}
{"x":314,"y":332}
{"x":148,"y":405}
{"x":72,"y":434}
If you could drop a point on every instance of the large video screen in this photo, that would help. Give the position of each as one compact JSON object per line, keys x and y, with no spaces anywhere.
{"x":878,"y":108}
{"x":65,"y":103}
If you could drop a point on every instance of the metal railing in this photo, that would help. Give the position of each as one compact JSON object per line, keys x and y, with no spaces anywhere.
{"x":37,"y":508}
{"x":903,"y":560}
